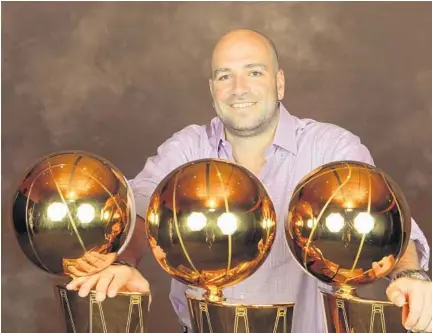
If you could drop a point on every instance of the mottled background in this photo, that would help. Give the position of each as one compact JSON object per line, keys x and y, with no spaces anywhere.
{"x":117,"y":79}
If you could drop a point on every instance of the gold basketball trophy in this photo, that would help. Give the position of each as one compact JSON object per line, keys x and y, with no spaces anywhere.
{"x":211,"y":224}
{"x":73,"y":214}
{"x":348,"y":225}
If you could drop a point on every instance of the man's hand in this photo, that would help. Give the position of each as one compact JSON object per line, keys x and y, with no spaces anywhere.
{"x":415,"y":296}
{"x":110,"y":281}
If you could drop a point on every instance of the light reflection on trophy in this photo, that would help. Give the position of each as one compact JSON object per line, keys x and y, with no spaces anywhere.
{"x":348,"y":225}
{"x":211,"y":224}
{"x":73,"y":213}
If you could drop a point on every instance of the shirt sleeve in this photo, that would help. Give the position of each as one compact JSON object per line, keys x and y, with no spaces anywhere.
{"x":176,"y":151}
{"x":343,"y":145}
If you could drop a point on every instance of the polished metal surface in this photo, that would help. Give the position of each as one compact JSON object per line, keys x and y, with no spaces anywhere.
{"x":210,"y":224}
{"x":229,"y":317}
{"x":126,"y":313}
{"x":346,"y":314}
{"x":348,"y":224}
{"x":73,"y":213}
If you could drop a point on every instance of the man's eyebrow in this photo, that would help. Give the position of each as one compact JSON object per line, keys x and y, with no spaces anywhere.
{"x":252,"y":65}
{"x":257,"y":64}
{"x":220,"y":70}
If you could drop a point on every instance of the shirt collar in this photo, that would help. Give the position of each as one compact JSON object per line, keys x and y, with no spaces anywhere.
{"x":285,"y":136}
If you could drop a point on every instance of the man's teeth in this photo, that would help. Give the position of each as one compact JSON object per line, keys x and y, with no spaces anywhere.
{"x":242,"y":105}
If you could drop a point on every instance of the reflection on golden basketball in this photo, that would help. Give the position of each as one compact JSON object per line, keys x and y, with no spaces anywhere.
{"x":344,"y":217}
{"x":70,"y":212}
{"x":210,"y":224}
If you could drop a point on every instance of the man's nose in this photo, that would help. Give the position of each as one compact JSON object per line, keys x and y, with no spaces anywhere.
{"x":240,"y":87}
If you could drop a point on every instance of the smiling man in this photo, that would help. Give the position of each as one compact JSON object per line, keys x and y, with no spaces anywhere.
{"x":254,"y":129}
{"x":243,"y":85}
{"x":246,"y":87}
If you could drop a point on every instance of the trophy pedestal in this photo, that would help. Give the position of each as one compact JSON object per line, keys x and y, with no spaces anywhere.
{"x":125,"y":313}
{"x":351,"y":314}
{"x":224,"y":317}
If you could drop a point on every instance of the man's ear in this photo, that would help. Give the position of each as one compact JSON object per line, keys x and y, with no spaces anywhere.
{"x":280,"y":84}
{"x":211,"y":86}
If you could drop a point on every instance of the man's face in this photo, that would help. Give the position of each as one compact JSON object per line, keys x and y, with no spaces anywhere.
{"x":246,"y":84}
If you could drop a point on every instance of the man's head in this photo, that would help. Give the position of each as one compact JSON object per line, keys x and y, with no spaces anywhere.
{"x":246,"y":83}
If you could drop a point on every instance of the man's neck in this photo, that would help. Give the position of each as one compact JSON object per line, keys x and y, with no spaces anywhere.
{"x":250,"y":151}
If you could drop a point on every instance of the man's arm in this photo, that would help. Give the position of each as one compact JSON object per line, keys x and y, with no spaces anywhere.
{"x":176,"y":151}
{"x":137,"y":245}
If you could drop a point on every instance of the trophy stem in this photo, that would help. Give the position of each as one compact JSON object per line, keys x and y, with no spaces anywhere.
{"x":214,"y":294}
{"x":346,"y":292}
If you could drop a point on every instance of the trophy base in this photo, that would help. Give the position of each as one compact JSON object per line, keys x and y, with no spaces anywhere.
{"x":351,"y":314}
{"x":125,"y":313}
{"x":224,"y":317}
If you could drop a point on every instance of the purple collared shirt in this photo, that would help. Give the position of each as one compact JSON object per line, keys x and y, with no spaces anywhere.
{"x":300,"y":145}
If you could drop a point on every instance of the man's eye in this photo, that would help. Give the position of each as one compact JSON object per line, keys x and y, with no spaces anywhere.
{"x":223,"y":77}
{"x":255,"y":73}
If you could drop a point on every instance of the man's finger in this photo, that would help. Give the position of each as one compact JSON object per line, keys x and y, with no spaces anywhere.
{"x":395,"y":294}
{"x":426,"y":315}
{"x":102,"y":287}
{"x":422,"y":322}
{"x":118,"y":282}
{"x":87,"y":285}
{"x":416,"y":301}
{"x":76,"y":283}
{"x":405,"y":312}
{"x":429,"y":328}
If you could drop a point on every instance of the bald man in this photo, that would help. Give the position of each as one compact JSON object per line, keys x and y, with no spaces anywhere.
{"x":253,"y":129}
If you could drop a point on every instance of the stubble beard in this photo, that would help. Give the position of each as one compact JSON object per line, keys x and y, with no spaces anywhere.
{"x":264,"y":122}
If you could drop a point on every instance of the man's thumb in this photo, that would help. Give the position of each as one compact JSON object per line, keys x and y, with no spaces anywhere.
{"x":396,"y":294}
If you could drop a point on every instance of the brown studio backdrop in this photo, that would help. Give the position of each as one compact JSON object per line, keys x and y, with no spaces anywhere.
{"x":117,"y":79}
